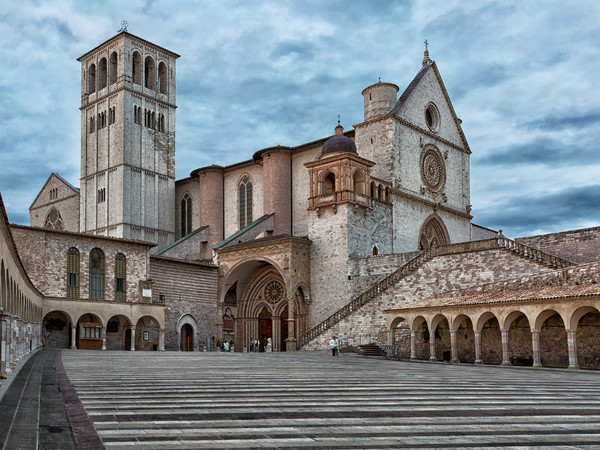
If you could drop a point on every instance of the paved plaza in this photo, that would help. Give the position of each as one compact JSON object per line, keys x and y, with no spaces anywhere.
{"x":309,"y":399}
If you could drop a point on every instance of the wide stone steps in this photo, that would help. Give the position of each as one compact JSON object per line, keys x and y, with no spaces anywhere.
{"x":308,"y":399}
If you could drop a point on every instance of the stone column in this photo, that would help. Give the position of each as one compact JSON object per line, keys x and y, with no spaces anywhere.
{"x":132,"y":348}
{"x":291,"y":341}
{"x":478,"y":359}
{"x":572,"y":342}
{"x":73,"y":336}
{"x":178,"y":340}
{"x":2,"y":345}
{"x":432,"y":356}
{"x":104,"y":338}
{"x":505,"y":350}
{"x":413,"y":344}
{"x":161,"y":340}
{"x":390,"y":337}
{"x":453,"y":348}
{"x":535,"y":344}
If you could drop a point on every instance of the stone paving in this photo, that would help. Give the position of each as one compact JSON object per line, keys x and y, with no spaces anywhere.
{"x":309,"y":399}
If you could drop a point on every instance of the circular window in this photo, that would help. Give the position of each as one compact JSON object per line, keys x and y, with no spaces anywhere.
{"x":433,"y":170}
{"x":432,"y":117}
{"x":274,"y":291}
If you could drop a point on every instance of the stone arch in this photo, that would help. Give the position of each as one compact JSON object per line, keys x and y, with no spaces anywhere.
{"x":186,"y":213}
{"x":56,"y":329}
{"x":254,"y":262}
{"x":520,"y":347}
{"x":118,"y":333}
{"x":185,"y":341}
{"x":54,"y":220}
{"x":245,"y":198}
{"x":553,"y":339}
{"x":420,"y":327}
{"x":328,"y":182}
{"x":400,"y":328}
{"x":587,"y":335}
{"x":136,"y":67}
{"x":112,"y":68}
{"x":89,"y":331}
{"x":92,"y":79}
{"x":433,"y":233}
{"x":491,"y":338}
{"x":147,"y":331}
{"x":149,"y":72}
{"x":358,"y":182}
{"x":102,"y":73}
{"x":162,"y":77}
{"x":465,"y":338}
{"x":440,"y":326}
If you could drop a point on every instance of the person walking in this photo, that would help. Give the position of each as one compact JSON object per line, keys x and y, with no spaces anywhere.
{"x":334,"y":346}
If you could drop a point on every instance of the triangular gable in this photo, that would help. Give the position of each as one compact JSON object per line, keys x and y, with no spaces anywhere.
{"x":53,"y":177}
{"x":411,"y":88}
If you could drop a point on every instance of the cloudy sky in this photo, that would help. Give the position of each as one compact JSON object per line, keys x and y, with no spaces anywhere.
{"x":523,"y":77}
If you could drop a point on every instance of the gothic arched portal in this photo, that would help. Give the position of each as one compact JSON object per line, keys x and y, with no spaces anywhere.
{"x":433,"y":233}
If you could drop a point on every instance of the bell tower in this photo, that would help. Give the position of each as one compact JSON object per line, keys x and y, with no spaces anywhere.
{"x":128,"y":140}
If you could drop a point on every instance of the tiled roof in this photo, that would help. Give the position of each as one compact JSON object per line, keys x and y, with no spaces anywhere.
{"x":519,"y":295}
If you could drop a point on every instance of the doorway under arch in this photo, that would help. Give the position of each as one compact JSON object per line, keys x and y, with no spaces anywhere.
{"x":187,"y":338}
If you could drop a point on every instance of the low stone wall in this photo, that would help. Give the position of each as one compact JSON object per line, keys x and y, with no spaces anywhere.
{"x":580,"y":246}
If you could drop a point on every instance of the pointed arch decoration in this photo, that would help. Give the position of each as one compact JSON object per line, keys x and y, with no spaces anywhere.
{"x":433,"y":233}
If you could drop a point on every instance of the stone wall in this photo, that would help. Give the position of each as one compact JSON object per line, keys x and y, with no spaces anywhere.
{"x":44,"y":255}
{"x":187,"y":288}
{"x":20,"y":302}
{"x":579,"y":246}
{"x":441,"y":274}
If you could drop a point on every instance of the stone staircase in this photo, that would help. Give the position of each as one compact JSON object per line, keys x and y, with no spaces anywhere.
{"x":522,"y":250}
{"x":370,"y":350}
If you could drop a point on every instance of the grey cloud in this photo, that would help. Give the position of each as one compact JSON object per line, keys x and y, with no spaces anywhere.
{"x":562,"y":121}
{"x":555,"y":211}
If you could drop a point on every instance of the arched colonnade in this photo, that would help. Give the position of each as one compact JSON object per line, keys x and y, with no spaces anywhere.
{"x":561,"y":333}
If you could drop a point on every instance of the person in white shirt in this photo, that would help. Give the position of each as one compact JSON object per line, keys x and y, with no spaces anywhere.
{"x":334,"y":346}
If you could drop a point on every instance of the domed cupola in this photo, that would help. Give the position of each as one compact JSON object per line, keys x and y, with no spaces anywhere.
{"x":338,"y":143}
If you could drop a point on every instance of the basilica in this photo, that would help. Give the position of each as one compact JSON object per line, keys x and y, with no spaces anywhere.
{"x":366,"y":234}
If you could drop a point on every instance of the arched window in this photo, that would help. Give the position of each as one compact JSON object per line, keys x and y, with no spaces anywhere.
{"x":373,"y":190}
{"x":329,"y":184}
{"x":149,"y":73}
{"x":112,"y":68}
{"x":380,"y":192}
{"x":96,"y":274}
{"x":73,"y":273}
{"x":375,"y":250}
{"x":162,"y":78}
{"x":54,"y":220}
{"x":186,"y":215}
{"x":102,"y":73}
{"x":137,"y":68}
{"x":245,"y":201}
{"x":388,"y":195}
{"x":358,"y":182}
{"x":92,"y":78}
{"x":120,"y":277}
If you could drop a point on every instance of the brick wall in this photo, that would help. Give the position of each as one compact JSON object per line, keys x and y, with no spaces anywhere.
{"x":579,"y":246}
{"x":188,"y":288}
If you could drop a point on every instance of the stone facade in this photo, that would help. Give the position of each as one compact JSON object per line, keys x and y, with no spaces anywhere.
{"x":190,"y":290}
{"x":20,"y":303}
{"x":128,"y":140}
{"x":56,"y":206}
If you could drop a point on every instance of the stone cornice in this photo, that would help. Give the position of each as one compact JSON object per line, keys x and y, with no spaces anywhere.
{"x":432,"y":204}
{"x":114,"y":91}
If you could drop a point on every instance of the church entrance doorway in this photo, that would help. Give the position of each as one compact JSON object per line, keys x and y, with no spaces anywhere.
{"x":187,"y":338}
{"x":284,"y":329}
{"x":265,"y":328}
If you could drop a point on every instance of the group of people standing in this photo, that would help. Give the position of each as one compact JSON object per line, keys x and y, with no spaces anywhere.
{"x":225,"y":346}
{"x":254,"y":345}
